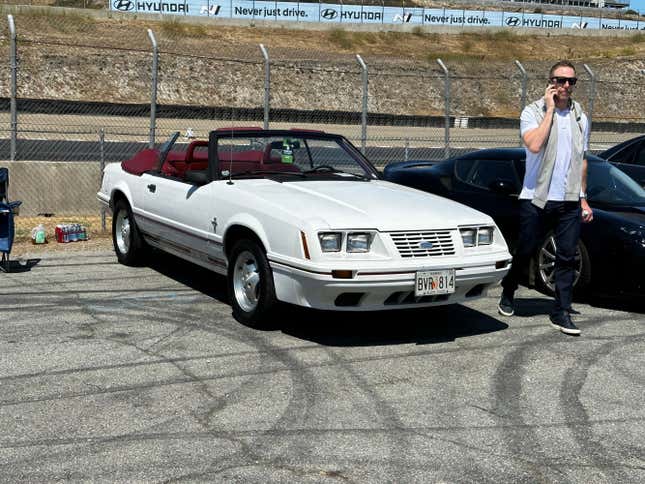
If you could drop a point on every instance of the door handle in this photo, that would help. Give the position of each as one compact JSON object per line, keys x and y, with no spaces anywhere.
{"x":152,"y":187}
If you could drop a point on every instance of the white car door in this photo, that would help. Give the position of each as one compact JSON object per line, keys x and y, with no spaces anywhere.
{"x":183,"y":218}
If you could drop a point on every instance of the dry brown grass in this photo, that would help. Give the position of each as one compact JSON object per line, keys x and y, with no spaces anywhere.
{"x":24,"y":225}
{"x":24,"y":247}
{"x":182,"y":35}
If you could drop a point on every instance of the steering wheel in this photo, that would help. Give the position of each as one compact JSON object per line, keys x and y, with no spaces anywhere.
{"x":323,"y":168}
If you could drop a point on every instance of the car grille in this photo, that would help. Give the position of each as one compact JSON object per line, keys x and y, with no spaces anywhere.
{"x":408,"y":243}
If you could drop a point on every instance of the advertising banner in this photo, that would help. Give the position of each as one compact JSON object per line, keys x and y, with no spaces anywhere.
{"x":340,"y":13}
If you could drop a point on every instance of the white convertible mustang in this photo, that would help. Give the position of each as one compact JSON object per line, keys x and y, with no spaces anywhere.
{"x":300,"y":217}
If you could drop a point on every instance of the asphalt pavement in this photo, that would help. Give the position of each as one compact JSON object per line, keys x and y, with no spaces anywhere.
{"x":117,"y":374}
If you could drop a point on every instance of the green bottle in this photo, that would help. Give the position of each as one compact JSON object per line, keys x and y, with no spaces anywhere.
{"x":287,"y":151}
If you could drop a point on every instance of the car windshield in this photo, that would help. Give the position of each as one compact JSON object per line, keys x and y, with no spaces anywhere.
{"x":292,"y":156}
{"x":164,"y":149}
{"x":607,"y":184}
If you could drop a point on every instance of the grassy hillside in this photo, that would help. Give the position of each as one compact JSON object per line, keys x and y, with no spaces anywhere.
{"x":74,"y":55}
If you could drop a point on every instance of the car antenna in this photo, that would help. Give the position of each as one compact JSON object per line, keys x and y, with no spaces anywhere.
{"x":230,"y":161}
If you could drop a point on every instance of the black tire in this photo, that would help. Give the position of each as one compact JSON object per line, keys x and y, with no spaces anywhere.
{"x":126,"y":238}
{"x":544,"y":265}
{"x":250,"y":285}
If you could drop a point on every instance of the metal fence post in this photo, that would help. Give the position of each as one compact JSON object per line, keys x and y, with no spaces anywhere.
{"x":364,"y":103}
{"x":447,"y":101}
{"x":153,"y":94}
{"x":267,"y":85}
{"x":102,"y":167}
{"x":524,"y":79}
{"x":523,"y":96}
{"x":592,"y":92}
{"x":14,"y":88}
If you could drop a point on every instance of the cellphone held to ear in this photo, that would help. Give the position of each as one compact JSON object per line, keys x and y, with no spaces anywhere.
{"x":555,"y":96}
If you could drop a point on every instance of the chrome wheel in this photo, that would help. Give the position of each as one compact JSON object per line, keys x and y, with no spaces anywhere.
{"x":246,"y":281}
{"x":122,"y":231}
{"x":546,"y":264}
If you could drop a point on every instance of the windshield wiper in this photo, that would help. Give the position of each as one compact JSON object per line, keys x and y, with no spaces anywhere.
{"x":264,"y":172}
{"x":331,"y":169}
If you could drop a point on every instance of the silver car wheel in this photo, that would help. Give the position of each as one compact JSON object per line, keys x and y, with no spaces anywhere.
{"x":122,"y":232}
{"x":246,"y":280}
{"x":546,"y":263}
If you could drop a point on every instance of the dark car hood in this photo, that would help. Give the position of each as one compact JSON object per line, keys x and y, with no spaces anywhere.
{"x":635,"y":215}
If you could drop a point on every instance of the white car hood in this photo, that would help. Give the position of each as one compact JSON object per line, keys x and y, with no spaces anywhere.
{"x":376,"y":204}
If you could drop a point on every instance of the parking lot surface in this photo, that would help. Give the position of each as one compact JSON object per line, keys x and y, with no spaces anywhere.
{"x":111,"y":373}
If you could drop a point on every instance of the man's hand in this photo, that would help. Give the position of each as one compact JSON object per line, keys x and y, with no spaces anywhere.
{"x":587,"y":213}
{"x":549,"y":96}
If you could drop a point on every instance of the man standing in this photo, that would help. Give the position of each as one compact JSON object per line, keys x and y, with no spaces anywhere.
{"x":555,"y":133}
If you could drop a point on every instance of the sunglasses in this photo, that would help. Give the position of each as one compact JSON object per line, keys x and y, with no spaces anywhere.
{"x":561,"y":80}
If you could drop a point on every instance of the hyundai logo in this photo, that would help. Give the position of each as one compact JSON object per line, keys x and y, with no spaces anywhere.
{"x":124,"y":5}
{"x":424,"y":244}
{"x":513,"y":21}
{"x":329,"y":14}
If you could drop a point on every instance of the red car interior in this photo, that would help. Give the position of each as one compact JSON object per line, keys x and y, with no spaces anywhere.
{"x":178,"y":162}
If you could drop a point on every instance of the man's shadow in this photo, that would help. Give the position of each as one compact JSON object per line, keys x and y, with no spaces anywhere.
{"x":344,"y":328}
{"x":630,"y":305}
{"x":526,"y":307}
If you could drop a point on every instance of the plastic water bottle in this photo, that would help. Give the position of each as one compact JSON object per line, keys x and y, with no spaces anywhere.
{"x":39,"y":234}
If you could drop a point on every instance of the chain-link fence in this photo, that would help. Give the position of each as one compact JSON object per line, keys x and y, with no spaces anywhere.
{"x":70,"y":103}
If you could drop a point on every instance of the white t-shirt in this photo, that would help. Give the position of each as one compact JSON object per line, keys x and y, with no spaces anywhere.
{"x":558,"y":186}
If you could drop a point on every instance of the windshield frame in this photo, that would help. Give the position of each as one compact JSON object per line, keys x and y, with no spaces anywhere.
{"x":305,"y":135}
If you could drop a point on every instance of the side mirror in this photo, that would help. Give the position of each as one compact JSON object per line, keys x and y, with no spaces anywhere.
{"x":196,"y":177}
{"x":502,"y":186}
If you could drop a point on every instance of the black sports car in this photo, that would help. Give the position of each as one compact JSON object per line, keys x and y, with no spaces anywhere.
{"x":629,"y":156}
{"x":611,"y":252}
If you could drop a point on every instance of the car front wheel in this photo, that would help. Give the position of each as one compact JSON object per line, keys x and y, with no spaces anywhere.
{"x":545,"y":267}
{"x":126,"y":238}
{"x":250,"y":285}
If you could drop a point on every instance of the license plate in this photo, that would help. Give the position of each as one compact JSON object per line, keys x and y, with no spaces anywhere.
{"x":429,"y":283}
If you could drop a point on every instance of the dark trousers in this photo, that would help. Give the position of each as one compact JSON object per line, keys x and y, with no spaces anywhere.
{"x":564,"y":219}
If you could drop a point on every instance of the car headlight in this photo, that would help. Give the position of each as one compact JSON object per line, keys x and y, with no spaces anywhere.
{"x":485,"y":236}
{"x":468,"y":236}
{"x":474,"y":236}
{"x":330,"y":241}
{"x":359,"y":242}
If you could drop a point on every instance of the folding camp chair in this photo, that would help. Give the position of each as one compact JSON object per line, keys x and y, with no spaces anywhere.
{"x":7,"y":211}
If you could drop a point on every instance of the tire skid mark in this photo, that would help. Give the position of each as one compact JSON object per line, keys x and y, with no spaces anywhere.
{"x":179,"y":381}
{"x":296,"y":411}
{"x":358,"y":432}
{"x":574,"y":410}
{"x":218,"y":402}
{"x":506,"y":392}
{"x":256,"y":450}
{"x":398,"y":441}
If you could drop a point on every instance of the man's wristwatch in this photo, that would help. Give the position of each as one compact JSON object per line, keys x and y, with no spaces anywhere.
{"x":583,"y":194}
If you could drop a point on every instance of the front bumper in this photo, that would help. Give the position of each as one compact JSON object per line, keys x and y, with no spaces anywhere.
{"x":387,"y":289}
